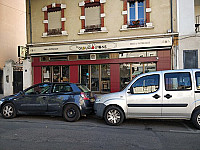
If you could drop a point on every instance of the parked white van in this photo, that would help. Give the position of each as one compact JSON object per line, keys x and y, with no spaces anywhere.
{"x":171,"y":94}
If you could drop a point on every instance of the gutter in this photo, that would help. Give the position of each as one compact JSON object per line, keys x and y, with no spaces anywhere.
{"x":30,"y":21}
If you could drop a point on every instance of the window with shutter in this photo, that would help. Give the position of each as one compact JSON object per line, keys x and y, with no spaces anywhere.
{"x":54,"y":21}
{"x":92,"y":19}
{"x":92,"y":16}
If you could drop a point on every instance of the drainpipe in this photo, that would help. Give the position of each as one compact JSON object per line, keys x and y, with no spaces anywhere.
{"x":171,"y":17}
{"x":173,"y":58}
{"x":30,"y":21}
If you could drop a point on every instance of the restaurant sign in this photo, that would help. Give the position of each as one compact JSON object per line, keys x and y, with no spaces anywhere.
{"x":102,"y":46}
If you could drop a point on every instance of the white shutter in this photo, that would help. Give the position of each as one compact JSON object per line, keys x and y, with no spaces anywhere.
{"x":54,"y":21}
{"x":92,"y":16}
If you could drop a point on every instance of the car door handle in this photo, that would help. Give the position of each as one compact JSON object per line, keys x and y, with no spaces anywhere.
{"x":168,"y":96}
{"x":156,"y":96}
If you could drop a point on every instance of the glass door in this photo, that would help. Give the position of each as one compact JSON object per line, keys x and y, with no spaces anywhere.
{"x":85,"y":75}
{"x":56,"y":73}
{"x":95,"y":77}
{"x":105,"y":78}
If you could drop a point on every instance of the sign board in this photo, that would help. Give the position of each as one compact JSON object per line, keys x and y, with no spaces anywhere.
{"x":142,"y":43}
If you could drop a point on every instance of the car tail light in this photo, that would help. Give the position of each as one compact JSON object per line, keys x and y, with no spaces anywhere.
{"x":84,"y":96}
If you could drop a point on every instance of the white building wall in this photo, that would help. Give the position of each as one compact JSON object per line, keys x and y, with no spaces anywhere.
{"x":27,"y":73}
{"x":188,"y":39}
{"x":186,"y":17}
{"x":8,"y":77}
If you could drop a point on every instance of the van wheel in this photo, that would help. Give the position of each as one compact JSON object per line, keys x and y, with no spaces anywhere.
{"x":8,"y":111}
{"x":71,"y":113}
{"x":196,"y":118}
{"x":113,"y":116}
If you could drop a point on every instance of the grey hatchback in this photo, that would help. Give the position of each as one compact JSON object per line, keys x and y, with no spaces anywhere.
{"x":56,"y":99}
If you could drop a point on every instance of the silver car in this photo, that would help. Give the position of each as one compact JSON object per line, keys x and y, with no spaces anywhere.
{"x":172,"y":94}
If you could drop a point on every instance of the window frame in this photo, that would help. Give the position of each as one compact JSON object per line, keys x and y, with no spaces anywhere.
{"x":51,"y":8}
{"x":178,"y":81}
{"x":136,"y":13}
{"x":144,"y":86}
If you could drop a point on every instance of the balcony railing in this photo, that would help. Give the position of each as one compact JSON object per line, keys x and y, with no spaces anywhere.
{"x":136,"y":24}
{"x":93,"y":28}
{"x":197,"y":24}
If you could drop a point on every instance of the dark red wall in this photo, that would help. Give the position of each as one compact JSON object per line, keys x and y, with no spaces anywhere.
{"x":74,"y":74}
{"x":115,"y":77}
{"x":164,"y":60}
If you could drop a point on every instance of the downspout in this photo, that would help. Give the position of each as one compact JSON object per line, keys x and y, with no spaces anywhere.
{"x":30,"y":21}
{"x":172,"y":50}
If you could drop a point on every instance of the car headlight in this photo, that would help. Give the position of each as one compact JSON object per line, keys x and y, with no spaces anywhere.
{"x":1,"y":102}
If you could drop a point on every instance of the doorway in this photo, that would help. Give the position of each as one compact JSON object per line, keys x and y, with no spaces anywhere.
{"x":95,"y":77}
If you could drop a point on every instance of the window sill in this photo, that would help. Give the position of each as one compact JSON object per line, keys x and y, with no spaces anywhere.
{"x":81,"y":33}
{"x":45,"y":36}
{"x":137,"y":28}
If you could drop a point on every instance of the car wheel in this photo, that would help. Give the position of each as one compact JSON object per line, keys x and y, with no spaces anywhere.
{"x":8,"y":111}
{"x":196,"y":119}
{"x":71,"y":113}
{"x":113,"y":116}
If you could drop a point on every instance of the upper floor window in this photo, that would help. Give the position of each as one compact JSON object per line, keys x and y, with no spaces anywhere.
{"x":136,"y":13}
{"x":54,"y":21}
{"x":92,"y":17}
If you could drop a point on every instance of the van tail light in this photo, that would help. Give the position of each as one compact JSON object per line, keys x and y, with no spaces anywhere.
{"x":84,"y":96}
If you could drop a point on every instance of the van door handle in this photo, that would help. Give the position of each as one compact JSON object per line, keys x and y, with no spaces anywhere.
{"x":168,"y":96}
{"x":156,"y":96}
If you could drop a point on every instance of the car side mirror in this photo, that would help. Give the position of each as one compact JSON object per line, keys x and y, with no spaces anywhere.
{"x":130,"y":90}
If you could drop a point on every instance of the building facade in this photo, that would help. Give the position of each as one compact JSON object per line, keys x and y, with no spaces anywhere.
{"x":96,"y":43}
{"x":188,"y":27}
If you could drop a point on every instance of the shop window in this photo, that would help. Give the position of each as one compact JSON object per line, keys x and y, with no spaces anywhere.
{"x":95,"y":77}
{"x":125,"y":74}
{"x":138,"y":54}
{"x":102,"y":56}
{"x":105,"y":78}
{"x":55,"y":74}
{"x":44,"y":58}
{"x":84,"y":57}
{"x":46,"y":74}
{"x":54,"y":21}
{"x":136,"y":13}
{"x":58,"y":58}
{"x":129,"y":71}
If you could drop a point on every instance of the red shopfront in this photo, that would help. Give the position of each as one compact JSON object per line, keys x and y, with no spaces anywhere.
{"x":102,"y":75}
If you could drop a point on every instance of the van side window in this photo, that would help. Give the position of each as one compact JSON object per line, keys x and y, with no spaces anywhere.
{"x":197,"y":76}
{"x":178,"y":81}
{"x":146,"y":84}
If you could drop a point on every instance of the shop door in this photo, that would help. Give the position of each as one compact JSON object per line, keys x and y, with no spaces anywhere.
{"x":17,"y":81}
{"x":96,"y":77}
{"x":95,"y":74}
{"x":85,"y":75}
